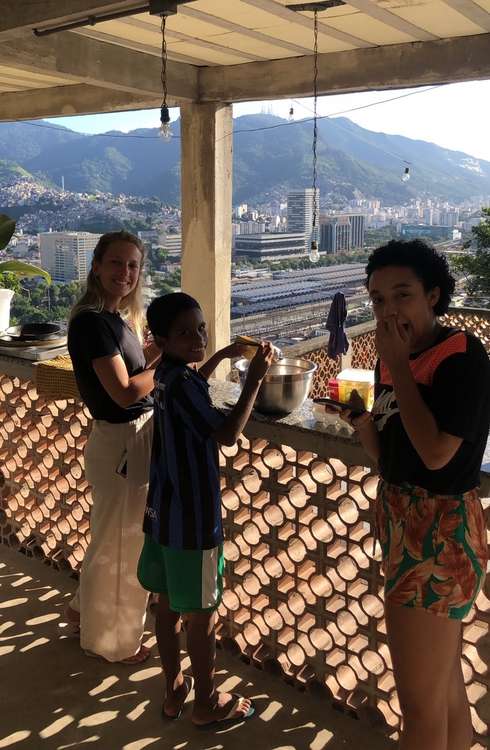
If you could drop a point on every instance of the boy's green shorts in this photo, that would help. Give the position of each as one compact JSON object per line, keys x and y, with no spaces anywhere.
{"x":191,"y":579}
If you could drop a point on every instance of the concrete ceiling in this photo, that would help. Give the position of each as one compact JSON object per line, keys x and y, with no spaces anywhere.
{"x":231,"y":50}
{"x":230,"y":32}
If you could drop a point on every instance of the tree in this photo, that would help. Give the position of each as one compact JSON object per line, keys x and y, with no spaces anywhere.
{"x":9,"y":281}
{"x":161,"y":254}
{"x":157,"y":257}
{"x":37,"y":302}
{"x":376,"y":237}
{"x":162,"y":287}
{"x":16,"y":268}
{"x":476,"y":266}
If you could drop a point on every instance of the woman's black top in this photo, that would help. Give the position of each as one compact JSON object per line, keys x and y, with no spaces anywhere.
{"x":92,"y":335}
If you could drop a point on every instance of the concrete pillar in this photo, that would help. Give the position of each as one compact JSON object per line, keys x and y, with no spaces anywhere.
{"x":206,"y":174}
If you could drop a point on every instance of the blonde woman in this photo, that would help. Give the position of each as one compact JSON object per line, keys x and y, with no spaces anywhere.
{"x":115,"y":379}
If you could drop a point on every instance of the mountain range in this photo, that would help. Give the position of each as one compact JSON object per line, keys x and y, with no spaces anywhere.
{"x":271,"y":157}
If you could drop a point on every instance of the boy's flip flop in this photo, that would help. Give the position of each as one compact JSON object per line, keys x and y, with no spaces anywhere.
{"x":230,"y":717}
{"x":189,"y":683}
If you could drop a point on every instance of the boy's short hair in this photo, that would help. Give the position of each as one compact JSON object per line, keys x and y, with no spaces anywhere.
{"x":163,"y":311}
{"x":430,"y":267}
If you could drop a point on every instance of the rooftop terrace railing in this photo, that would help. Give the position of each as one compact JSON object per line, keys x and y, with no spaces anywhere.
{"x":363,"y":352}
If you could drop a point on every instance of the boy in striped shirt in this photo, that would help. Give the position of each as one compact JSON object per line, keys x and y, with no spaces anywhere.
{"x":182,"y":558}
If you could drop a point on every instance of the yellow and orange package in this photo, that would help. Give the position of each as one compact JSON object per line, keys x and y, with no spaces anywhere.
{"x":341,"y":387}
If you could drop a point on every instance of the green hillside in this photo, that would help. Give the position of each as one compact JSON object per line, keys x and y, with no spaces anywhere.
{"x":271,"y":156}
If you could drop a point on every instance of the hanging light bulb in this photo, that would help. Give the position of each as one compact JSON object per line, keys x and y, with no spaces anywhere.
{"x":291,"y":113}
{"x":165,"y":131}
{"x":406,"y":174}
{"x":314,"y":254}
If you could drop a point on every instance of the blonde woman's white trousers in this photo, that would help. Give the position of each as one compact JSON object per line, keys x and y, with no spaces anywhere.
{"x":111,"y":602}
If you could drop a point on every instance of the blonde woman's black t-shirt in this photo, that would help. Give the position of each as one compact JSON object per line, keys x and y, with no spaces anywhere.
{"x":453,"y":377}
{"x":101,"y":334}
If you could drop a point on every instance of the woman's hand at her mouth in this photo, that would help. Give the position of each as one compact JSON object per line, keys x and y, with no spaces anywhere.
{"x":392,"y":342}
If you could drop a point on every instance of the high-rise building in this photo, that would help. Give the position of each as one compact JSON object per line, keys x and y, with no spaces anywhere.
{"x":335,"y":235}
{"x":300,"y":214}
{"x":173,"y":244}
{"x":358,"y":225}
{"x":341,"y":233}
{"x":67,"y":255}
{"x":449,"y":218}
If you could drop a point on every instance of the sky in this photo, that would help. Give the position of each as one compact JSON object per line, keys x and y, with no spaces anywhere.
{"x":454,"y":116}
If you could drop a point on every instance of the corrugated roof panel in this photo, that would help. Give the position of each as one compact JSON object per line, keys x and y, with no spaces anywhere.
{"x":438,"y":18}
{"x":124,"y":30}
{"x":238,"y":311}
{"x":212,"y":56}
{"x":304,"y":37}
{"x":139,"y":29}
{"x":485,"y":4}
{"x":240,"y":42}
{"x":370,"y":29}
{"x":235,"y":11}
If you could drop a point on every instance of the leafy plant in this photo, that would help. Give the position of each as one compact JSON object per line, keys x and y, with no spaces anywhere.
{"x":16,"y":267}
{"x":7,"y":228}
{"x":476,"y":266}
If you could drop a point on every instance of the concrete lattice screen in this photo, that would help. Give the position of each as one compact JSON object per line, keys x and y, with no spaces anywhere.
{"x":475,"y":321}
{"x":363,"y":356}
{"x":47,"y":512}
{"x":304,"y":592}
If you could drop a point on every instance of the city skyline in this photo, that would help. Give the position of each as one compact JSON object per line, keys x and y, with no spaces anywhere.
{"x":453,"y":116}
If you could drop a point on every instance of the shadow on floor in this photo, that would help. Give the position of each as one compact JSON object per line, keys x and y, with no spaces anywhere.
{"x":55,"y":698}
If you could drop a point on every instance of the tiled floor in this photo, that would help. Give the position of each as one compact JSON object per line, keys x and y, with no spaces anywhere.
{"x":53,"y":697}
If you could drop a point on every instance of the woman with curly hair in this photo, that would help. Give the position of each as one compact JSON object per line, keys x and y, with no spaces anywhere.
{"x":427,"y":432}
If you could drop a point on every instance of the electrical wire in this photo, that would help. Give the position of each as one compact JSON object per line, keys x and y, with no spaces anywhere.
{"x":235,"y":132}
{"x":83,"y":135}
{"x":341,"y":127}
{"x":315,"y":121}
{"x":163,"y":71}
{"x":337,"y":114}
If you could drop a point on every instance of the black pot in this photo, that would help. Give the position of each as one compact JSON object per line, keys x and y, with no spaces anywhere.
{"x":34,"y":331}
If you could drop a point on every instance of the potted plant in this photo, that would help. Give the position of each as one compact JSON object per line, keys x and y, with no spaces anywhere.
{"x":17,"y":268}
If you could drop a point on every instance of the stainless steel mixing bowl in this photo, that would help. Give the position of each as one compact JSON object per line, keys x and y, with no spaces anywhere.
{"x":285,"y":387}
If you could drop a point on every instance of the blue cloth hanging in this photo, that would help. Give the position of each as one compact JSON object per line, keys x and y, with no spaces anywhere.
{"x":337,"y":342}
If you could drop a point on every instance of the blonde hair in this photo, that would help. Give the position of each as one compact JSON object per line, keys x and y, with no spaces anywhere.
{"x":93,"y":298}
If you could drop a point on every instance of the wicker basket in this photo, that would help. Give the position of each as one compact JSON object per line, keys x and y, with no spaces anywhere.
{"x":55,"y":379}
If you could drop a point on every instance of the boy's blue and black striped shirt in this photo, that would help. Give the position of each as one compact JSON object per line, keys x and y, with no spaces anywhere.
{"x":183,"y":508}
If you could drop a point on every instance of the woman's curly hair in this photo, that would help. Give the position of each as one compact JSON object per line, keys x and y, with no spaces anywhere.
{"x":430,"y":267}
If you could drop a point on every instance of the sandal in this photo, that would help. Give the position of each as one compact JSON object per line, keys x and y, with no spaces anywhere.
{"x":141,"y":656}
{"x":72,"y":618}
{"x":189,"y":683}
{"x":230,"y":717}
